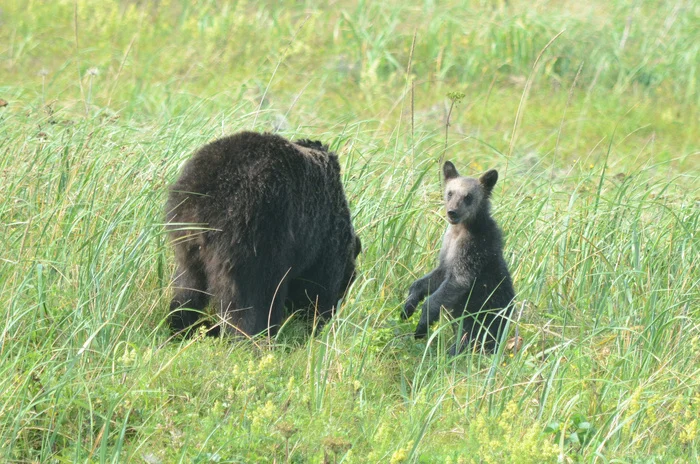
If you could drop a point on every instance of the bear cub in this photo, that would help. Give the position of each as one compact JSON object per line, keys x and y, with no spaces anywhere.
{"x":258,"y":221}
{"x":472,"y":279}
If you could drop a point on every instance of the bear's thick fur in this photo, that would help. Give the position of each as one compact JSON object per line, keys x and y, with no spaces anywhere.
{"x":472,"y":278}
{"x":255,"y":220}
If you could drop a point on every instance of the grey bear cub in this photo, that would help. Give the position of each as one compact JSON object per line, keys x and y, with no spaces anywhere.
{"x":472,"y":278}
{"x":274,"y":227}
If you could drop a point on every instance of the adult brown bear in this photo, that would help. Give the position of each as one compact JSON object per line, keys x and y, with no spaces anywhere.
{"x":255,"y":220}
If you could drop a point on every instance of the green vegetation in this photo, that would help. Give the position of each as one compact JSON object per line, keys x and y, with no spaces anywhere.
{"x":588,"y":111}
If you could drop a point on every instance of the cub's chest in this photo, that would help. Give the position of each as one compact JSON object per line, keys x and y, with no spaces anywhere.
{"x":456,"y":244}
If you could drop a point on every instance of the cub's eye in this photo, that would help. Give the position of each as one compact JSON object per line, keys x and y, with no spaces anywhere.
{"x":449,"y":195}
{"x":468,"y":199}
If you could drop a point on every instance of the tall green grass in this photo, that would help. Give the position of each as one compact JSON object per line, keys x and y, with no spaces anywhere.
{"x":597,"y":149}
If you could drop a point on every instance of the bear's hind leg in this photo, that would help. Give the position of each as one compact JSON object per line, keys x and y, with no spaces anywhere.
{"x":191,"y":295}
{"x":468,"y":330}
{"x":496,"y":322}
{"x":269,"y":313}
{"x":483,"y":328}
{"x":250,"y":305}
{"x":318,"y":290}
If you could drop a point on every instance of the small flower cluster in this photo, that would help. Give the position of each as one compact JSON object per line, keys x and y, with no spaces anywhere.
{"x":500,"y":442}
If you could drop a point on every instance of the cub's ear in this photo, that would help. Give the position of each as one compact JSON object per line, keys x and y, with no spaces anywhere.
{"x":449,"y":170}
{"x":488,"y":179}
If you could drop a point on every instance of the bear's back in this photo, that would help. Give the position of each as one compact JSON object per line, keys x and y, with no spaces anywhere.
{"x":254,"y":189}
{"x":234,"y":161}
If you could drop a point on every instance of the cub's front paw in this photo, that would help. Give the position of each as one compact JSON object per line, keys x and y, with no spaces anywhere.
{"x":410,"y":307}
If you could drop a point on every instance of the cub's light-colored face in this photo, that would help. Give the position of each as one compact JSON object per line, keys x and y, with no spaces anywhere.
{"x":464,"y":196}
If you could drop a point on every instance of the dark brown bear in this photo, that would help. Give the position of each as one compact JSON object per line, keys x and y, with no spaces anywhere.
{"x":472,"y":279}
{"x":256,"y":220}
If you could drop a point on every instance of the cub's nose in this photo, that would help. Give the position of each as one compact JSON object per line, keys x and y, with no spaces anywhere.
{"x":452,"y":215}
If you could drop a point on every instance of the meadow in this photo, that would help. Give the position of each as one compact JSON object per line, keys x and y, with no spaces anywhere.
{"x":590,"y":112}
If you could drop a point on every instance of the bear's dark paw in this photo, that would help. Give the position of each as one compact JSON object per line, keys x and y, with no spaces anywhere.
{"x":213,"y":331}
{"x":180,"y":321}
{"x":409,"y":308}
{"x":421,"y":332}
{"x":488,"y":347}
